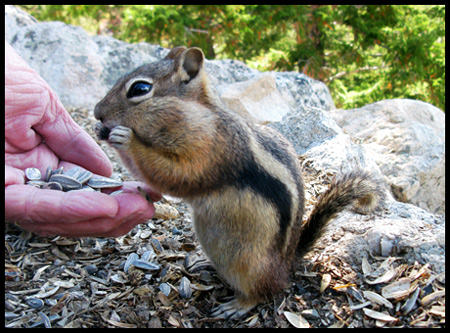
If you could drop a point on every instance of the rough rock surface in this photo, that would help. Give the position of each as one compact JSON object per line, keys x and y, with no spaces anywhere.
{"x":406,"y":138}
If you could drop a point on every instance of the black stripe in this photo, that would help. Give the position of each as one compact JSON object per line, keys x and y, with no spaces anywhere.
{"x":282,"y":154}
{"x":253,"y":177}
{"x":279,"y":152}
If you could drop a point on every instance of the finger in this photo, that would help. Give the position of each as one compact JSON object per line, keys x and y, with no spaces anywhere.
{"x":25,"y":203}
{"x":23,"y":88}
{"x":34,"y":111}
{"x":83,"y":229}
{"x":70,"y":142}
{"x":39,"y":157}
{"x":132,"y":210}
{"x":13,"y":175}
{"x":131,"y":187}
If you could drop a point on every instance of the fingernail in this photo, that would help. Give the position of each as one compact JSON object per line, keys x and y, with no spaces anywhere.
{"x":144,"y":194}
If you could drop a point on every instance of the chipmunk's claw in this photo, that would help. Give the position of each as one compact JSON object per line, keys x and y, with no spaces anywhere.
{"x":231,"y":310}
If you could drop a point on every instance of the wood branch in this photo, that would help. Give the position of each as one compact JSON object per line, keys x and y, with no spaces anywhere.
{"x":365,"y":68}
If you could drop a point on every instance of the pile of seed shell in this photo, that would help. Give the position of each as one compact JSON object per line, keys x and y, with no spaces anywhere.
{"x":75,"y":179}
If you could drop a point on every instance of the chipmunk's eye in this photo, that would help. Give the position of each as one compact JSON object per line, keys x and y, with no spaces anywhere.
{"x":139,"y":88}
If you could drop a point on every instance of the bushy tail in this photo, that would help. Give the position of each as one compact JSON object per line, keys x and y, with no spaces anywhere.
{"x":358,"y":188}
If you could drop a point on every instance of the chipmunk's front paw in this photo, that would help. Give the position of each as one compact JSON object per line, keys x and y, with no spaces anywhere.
{"x":120,"y":137}
{"x":101,"y":131}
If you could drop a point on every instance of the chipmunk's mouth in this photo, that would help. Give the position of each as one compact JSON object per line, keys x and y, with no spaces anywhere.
{"x":102,"y":131}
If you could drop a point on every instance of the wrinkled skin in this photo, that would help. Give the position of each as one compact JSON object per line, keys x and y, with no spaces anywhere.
{"x":40,"y":133}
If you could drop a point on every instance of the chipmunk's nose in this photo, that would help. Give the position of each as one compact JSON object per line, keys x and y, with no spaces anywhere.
{"x":98,"y":114}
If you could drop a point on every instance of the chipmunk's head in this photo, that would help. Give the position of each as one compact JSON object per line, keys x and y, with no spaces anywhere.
{"x":159,"y":100}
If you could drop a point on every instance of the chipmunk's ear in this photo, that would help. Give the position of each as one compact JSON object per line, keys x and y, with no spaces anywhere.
{"x":188,"y":62}
{"x":192,"y":61}
{"x":175,"y":53}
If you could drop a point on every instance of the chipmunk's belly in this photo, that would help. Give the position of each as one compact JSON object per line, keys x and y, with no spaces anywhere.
{"x":235,"y":228}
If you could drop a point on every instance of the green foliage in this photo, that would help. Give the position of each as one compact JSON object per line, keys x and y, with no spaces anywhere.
{"x":364,"y":53}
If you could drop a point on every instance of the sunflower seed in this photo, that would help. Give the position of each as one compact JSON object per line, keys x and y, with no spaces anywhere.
{"x":409,"y":304}
{"x":365,"y":266}
{"x":130,"y":261}
{"x":11,"y":315}
{"x":36,"y":183}
{"x":201,"y":287}
{"x":432,"y":297}
{"x":148,"y":255}
{"x":156,"y":246}
{"x":146,"y":265}
{"x":113,"y":193}
{"x":64,"y":284}
{"x":84,"y":176}
{"x":58,"y":171}
{"x":73,"y":179}
{"x":103,"y":182}
{"x":296,"y":320}
{"x":88,"y":188}
{"x":33,"y":173}
{"x":375,"y":298}
{"x":165,"y":288}
{"x":326,"y":279}
{"x":35,"y":303}
{"x":47,"y":293}
{"x":378,"y":315}
{"x":144,"y":194}
{"x":398,"y":289}
{"x":185,"y":288}
{"x":45,"y":319}
{"x":388,"y":275}
{"x":74,"y":172}
{"x":68,"y":183}
{"x":352,"y":291}
{"x":48,"y":173}
{"x":53,"y":186}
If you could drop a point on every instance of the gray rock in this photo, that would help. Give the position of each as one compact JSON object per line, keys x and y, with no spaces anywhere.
{"x":120,"y":58}
{"x":64,"y":56}
{"x":306,"y":91}
{"x":16,"y":19}
{"x":81,"y":69}
{"x":406,"y":138}
{"x":323,"y":144}
{"x":229,"y":71}
{"x":307,"y":127}
{"x":401,"y":230}
{"x":257,"y":98}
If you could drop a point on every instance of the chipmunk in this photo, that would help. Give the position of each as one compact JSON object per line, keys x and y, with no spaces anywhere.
{"x":243,"y":181}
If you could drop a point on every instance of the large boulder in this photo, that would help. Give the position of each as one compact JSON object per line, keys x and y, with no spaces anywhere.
{"x":406,"y":138}
{"x":82,"y":69}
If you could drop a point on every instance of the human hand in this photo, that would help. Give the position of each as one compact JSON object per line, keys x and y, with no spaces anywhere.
{"x":40,"y":133}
